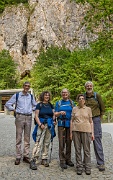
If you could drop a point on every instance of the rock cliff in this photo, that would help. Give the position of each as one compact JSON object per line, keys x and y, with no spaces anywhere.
{"x":26,"y":30}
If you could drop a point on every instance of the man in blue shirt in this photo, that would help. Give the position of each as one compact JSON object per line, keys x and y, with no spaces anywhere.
{"x":24,"y":106}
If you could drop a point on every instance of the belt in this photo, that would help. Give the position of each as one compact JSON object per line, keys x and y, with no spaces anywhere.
{"x":24,"y":114}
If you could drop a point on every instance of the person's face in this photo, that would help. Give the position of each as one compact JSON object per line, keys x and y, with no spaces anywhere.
{"x":81,"y":101}
{"x":46,"y":97}
{"x":65,"y":94}
{"x":89,"y":88}
{"x":26,"y":87}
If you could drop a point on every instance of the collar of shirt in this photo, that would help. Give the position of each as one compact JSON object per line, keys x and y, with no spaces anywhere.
{"x":22,"y":94}
{"x":82,"y":107}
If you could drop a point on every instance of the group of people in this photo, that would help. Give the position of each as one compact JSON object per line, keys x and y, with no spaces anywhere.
{"x":79,"y":123}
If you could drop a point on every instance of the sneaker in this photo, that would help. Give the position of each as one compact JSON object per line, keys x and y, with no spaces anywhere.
{"x":45,"y":162}
{"x":69,"y":163}
{"x":63,"y":165}
{"x":88,"y":172}
{"x":17,"y":161}
{"x":26,"y":160}
{"x":33,"y":165}
{"x":79,"y":172}
{"x":101,"y":167}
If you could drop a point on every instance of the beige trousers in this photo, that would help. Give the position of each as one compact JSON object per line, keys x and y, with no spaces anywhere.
{"x":42,"y":143}
{"x":23,"y":124}
{"x":82,"y":140}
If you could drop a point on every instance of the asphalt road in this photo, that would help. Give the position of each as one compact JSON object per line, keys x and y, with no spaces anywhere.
{"x":8,"y":171}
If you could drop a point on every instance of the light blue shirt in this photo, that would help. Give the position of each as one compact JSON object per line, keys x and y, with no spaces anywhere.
{"x":24,"y":105}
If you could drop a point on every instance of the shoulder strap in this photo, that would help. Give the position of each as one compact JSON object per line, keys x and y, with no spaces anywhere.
{"x":95,"y":96}
{"x":17,"y":95}
{"x":31,"y":98}
{"x":72,"y":103}
{"x":85,"y":95}
{"x":40,"y":105}
{"x":59,"y":103}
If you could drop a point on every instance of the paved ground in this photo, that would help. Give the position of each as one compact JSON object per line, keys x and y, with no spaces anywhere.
{"x":8,"y":171}
{"x":108,"y":127}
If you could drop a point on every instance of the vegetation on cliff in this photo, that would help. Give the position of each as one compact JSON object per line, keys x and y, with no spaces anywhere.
{"x":8,"y":77}
{"x":5,"y":3}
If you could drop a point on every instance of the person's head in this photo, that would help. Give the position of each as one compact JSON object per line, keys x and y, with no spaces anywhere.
{"x":26,"y":86}
{"x":45,"y":96}
{"x":81,"y":100}
{"x":89,"y":87}
{"x":65,"y":94}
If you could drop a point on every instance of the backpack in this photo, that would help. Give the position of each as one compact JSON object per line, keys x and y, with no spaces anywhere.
{"x":17,"y":95}
{"x":71,"y":102}
{"x":95,"y":96}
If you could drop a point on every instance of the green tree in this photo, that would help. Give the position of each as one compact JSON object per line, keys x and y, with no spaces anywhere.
{"x":7,"y":71}
{"x":48,"y":71}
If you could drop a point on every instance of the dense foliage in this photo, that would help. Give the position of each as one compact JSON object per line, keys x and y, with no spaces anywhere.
{"x":100,"y":14}
{"x":58,"y":68}
{"x":7,"y":71}
{"x":4,"y":3}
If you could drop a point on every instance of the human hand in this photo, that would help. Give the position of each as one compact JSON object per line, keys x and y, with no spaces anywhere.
{"x":71,"y":136}
{"x":62,"y":113}
{"x":92,"y":137}
{"x":42,"y":126}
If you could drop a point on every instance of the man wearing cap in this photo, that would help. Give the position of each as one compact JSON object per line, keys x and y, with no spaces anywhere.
{"x":24,"y":105}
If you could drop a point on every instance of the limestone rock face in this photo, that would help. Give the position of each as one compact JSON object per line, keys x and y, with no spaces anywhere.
{"x":25,"y":31}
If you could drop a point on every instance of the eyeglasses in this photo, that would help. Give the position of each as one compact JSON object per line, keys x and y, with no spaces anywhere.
{"x":64,"y":92}
{"x":27,"y":85}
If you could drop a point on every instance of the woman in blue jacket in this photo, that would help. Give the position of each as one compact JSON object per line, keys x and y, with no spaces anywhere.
{"x":63,"y":109}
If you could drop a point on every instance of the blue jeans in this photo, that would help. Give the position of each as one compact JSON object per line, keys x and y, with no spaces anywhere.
{"x":98,"y":140}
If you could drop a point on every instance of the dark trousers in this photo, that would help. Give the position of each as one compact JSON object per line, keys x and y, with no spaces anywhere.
{"x":64,"y":139}
{"x":82,"y":139}
{"x":98,"y":140}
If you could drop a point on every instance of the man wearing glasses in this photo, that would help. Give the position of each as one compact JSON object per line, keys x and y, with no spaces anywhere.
{"x":24,"y":105}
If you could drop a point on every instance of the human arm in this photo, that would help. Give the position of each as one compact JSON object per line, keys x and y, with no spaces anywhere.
{"x":10,"y":102}
{"x":92,"y":129}
{"x":38,"y":120}
{"x":71,"y":129}
{"x":34,"y":103}
{"x":54,"y":117}
{"x":71,"y":124}
{"x":101,"y":105}
{"x":91,"y":124}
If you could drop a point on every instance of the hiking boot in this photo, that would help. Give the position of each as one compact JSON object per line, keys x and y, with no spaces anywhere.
{"x":26,"y":160}
{"x":17,"y":161}
{"x":33,"y":165}
{"x":69,"y":163}
{"x":45,"y":162}
{"x":88,"y":172}
{"x":101,"y":167}
{"x":79,"y":172}
{"x":63,"y":165}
